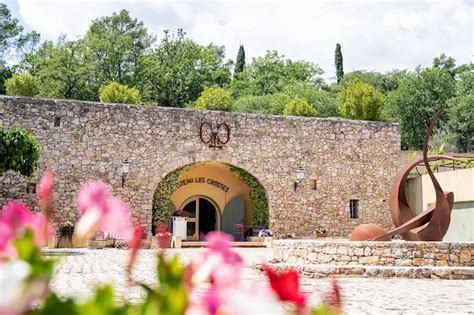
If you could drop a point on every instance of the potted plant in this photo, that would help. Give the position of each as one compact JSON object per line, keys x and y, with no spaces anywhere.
{"x":321,"y":232}
{"x":163,"y":236}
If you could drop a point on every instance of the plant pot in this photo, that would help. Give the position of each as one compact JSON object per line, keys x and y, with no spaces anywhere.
{"x":145,"y":244}
{"x":322,"y":234}
{"x":255,"y":239}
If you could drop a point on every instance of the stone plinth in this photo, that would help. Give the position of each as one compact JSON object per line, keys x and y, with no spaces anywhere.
{"x":395,"y":253}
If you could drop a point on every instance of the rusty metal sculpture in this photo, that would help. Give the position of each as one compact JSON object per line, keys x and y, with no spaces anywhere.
{"x":433,"y":223}
{"x":214,"y":135}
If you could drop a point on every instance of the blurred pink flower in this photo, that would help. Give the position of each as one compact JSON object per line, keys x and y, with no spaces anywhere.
{"x":16,"y":215}
{"x":93,"y":194}
{"x":219,"y":263}
{"x":14,"y":219}
{"x":134,"y":245}
{"x":45,"y":187}
{"x":102,"y":212}
{"x":6,"y":237}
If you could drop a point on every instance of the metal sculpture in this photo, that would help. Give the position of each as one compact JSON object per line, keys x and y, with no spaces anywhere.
{"x":214,"y":137}
{"x":433,"y":223}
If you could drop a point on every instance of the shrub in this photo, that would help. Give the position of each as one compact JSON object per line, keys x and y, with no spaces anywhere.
{"x":23,"y":84}
{"x":213,"y":98}
{"x":270,"y":104}
{"x":299,"y":107}
{"x":19,"y":151}
{"x":360,"y":101}
{"x":118,"y":93}
{"x":324,"y":102}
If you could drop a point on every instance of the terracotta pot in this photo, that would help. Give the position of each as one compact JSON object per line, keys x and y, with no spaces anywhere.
{"x":318,"y":234}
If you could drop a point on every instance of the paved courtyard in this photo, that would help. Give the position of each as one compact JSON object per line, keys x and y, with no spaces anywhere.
{"x":79,"y":270}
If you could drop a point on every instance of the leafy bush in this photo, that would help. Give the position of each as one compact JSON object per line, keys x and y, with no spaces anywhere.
{"x":23,"y":84}
{"x":214,"y":98}
{"x":270,"y":104}
{"x":258,"y":197}
{"x":323,"y":101}
{"x":299,"y":107}
{"x":117,"y":93}
{"x":360,"y":101}
{"x":19,"y":151}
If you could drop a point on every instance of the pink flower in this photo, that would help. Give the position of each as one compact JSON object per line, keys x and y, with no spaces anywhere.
{"x":45,"y":194}
{"x":219,"y":264}
{"x":102,"y":212}
{"x":134,"y":246}
{"x":333,"y":297}
{"x":14,"y":219}
{"x":93,"y":194}
{"x":45,"y":187}
{"x":6,"y":237}
{"x":16,"y":215}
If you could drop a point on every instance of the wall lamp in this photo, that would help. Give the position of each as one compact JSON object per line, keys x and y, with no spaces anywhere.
{"x":125,"y":169}
{"x":300,"y":176}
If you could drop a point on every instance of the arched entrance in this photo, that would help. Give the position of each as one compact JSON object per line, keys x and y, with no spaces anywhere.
{"x":205,"y":216}
{"x":219,"y":196}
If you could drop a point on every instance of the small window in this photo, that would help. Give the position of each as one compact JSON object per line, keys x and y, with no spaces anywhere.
{"x":354,"y":208}
{"x":57,"y":121}
{"x":313,"y":184}
{"x":31,"y":188}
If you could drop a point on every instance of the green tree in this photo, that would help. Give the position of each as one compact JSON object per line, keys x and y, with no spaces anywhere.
{"x":117,"y":43}
{"x":446,"y":63}
{"x":23,"y":84}
{"x":299,"y":107}
{"x":417,"y":99}
{"x":12,"y":35}
{"x":19,"y":151}
{"x":270,"y":104}
{"x":5,"y":73}
{"x":117,"y":93}
{"x":214,"y":98}
{"x":360,"y":101}
{"x":239,"y":61}
{"x":65,"y":69}
{"x":461,"y":112}
{"x":339,"y":63}
{"x":384,"y":82}
{"x":270,"y":73}
{"x":324,"y":102}
{"x":177,"y":71}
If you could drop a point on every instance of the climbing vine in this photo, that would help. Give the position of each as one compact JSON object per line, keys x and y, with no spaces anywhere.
{"x":258,"y":197}
{"x":19,"y":151}
{"x":162,"y":196}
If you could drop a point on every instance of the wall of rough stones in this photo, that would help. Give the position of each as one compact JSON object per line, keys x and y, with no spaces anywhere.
{"x":395,"y":253}
{"x":346,"y":159}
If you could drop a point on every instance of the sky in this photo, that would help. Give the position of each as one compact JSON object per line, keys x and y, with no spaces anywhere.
{"x":378,"y":35}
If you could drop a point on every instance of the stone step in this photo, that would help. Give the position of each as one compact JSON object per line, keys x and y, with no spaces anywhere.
{"x":364,"y":271}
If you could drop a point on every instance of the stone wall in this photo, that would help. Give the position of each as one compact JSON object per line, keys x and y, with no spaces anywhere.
{"x":345,"y":159}
{"x":395,"y":253}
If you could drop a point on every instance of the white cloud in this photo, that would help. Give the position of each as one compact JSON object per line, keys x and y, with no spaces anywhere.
{"x":375,"y":35}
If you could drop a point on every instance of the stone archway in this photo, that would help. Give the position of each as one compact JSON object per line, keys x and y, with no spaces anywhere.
{"x":217,"y":182}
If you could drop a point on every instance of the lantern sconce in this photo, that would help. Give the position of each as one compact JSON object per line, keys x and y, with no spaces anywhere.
{"x":300,"y":176}
{"x":125,"y":169}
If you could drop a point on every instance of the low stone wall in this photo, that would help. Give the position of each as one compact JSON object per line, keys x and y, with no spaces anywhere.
{"x":395,"y":253}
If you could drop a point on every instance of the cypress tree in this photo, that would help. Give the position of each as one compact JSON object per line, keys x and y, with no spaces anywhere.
{"x":240,"y":61}
{"x":339,"y":63}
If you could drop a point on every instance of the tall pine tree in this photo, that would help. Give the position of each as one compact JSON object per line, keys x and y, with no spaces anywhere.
{"x":240,"y":61}
{"x":339,"y":63}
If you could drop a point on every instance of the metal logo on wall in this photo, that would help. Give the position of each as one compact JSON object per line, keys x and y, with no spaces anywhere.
{"x":217,"y":137}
